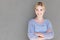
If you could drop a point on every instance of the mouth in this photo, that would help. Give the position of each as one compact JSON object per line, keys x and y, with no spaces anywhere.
{"x":39,"y":13}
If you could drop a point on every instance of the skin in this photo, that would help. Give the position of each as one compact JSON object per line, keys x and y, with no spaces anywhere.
{"x":40,"y":12}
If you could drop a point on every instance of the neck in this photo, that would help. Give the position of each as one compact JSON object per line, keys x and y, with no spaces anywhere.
{"x":40,"y":18}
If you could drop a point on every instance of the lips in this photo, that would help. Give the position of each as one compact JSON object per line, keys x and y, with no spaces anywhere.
{"x":39,"y":13}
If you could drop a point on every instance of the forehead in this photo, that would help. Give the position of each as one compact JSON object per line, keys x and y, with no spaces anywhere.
{"x":39,"y":7}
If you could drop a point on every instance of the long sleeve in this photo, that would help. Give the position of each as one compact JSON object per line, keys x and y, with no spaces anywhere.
{"x":49,"y":35}
{"x":31,"y":30}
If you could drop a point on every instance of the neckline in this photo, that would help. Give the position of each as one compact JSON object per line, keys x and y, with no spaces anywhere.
{"x":39,"y":23}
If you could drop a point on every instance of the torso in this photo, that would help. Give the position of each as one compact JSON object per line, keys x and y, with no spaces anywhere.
{"x":40,"y":27}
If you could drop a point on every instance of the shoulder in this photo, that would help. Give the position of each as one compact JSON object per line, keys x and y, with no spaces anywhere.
{"x":30,"y":21}
{"x":48,"y":21}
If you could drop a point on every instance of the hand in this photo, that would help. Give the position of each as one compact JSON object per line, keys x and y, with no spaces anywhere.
{"x":39,"y":34}
{"x":40,"y":38}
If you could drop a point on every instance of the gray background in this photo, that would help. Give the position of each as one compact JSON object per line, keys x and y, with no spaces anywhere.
{"x":14,"y":16}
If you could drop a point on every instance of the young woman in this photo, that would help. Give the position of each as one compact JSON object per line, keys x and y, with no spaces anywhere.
{"x":38,"y":27}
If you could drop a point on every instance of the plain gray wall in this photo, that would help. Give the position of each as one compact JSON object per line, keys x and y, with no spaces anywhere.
{"x":15,"y":14}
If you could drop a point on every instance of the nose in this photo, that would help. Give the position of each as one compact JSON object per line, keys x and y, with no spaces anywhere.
{"x":39,"y":11}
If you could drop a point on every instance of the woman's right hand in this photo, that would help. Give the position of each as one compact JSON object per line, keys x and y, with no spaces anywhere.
{"x":40,"y":38}
{"x":39,"y":34}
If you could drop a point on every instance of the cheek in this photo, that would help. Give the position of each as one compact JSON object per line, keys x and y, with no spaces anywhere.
{"x":36,"y":12}
{"x":39,"y":12}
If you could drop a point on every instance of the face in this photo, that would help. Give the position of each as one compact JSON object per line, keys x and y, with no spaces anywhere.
{"x":39,"y":11}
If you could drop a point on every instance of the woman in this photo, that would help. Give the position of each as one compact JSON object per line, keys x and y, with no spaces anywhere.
{"x":38,"y":27}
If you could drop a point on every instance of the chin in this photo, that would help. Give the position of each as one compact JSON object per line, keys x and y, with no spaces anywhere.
{"x":40,"y":15}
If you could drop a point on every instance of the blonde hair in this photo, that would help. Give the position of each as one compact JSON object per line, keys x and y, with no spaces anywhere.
{"x":39,"y":4}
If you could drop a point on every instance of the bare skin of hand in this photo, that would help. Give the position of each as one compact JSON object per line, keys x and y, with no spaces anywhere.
{"x":39,"y":34}
{"x":40,"y":38}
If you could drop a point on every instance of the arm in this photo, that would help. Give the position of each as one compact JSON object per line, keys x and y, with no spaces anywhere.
{"x":50,"y":33}
{"x":31,"y":30}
